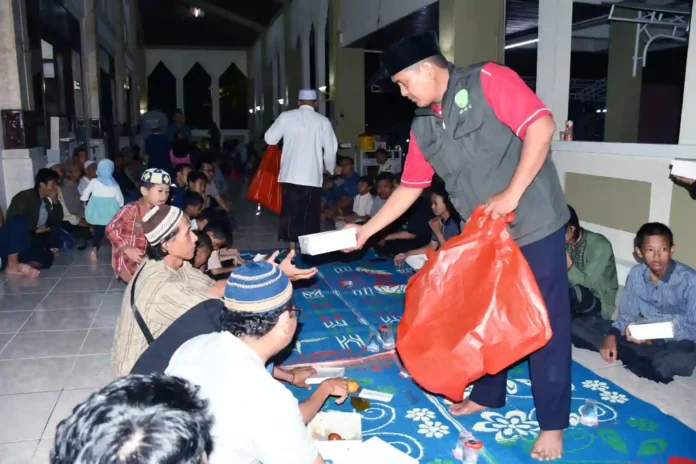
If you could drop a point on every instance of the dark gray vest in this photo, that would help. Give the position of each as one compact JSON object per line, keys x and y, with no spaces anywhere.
{"x":476,"y":155}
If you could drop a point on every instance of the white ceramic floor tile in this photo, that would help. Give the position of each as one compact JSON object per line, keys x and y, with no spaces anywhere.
{"x":4,"y":338}
{"x":44,"y":344}
{"x":91,"y":371}
{"x":98,"y":341}
{"x":21,"y":302}
{"x":106,"y":317}
{"x":72,"y":300}
{"x":689,"y":382}
{"x":60,"y":319}
{"x":66,"y":403}
{"x":94,"y":284}
{"x":591,"y":360}
{"x":651,"y":392}
{"x":94,"y":270}
{"x":34,"y":375}
{"x":43,"y":451}
{"x":23,"y":417}
{"x":685,"y":412}
{"x":18,"y":453}
{"x":12,"y":321}
{"x":55,"y":272}
{"x":22,"y":285}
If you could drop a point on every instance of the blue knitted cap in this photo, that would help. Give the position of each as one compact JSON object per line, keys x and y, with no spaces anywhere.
{"x":257,"y":288}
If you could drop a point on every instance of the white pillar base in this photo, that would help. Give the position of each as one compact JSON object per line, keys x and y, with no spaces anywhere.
{"x":17,"y":170}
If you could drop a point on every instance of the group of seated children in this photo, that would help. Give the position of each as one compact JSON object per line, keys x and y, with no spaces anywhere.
{"x":658,"y":289}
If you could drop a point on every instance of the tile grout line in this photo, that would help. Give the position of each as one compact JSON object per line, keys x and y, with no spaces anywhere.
{"x":25,"y":322}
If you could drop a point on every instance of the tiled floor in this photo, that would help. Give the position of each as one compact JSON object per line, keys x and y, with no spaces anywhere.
{"x":56,"y":334}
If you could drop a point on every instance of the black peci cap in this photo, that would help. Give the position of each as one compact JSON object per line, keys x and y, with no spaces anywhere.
{"x":409,"y":51}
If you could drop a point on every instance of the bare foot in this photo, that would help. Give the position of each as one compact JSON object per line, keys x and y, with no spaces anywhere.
{"x":55,"y":251}
{"x":93,"y":255}
{"x":548,"y":446}
{"x":466,"y":408}
{"x":25,"y":270}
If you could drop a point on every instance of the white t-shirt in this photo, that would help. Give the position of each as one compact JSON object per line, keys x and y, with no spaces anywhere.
{"x":256,"y":419}
{"x":362,"y":204}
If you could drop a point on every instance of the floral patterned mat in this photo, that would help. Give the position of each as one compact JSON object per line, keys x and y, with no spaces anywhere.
{"x":630,"y":430}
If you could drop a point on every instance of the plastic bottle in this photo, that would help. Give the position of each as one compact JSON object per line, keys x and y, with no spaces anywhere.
{"x":468,"y":448}
{"x":569,"y":130}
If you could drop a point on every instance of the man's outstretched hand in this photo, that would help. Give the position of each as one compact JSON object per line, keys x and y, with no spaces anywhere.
{"x":362,"y":237}
{"x":290,"y":269}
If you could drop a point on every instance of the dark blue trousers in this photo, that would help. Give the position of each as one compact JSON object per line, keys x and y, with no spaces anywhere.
{"x":15,"y":238}
{"x":550,"y":366}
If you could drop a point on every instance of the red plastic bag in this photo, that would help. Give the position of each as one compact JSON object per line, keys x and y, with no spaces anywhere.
{"x":264,"y":187}
{"x":475,"y":308}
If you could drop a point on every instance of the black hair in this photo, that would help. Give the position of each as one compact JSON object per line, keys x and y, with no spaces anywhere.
{"x":79,"y":149}
{"x":366,"y":179}
{"x":381,"y":150}
{"x":195,"y":176}
{"x":346,"y":158}
{"x":44,"y":176}
{"x":203,"y":240}
{"x":177,"y":111}
{"x":255,"y":325}
{"x":180,"y":167}
{"x":180,"y":148}
{"x":171,"y":421}
{"x":146,"y":185}
{"x":157,"y":252}
{"x":192,"y":199}
{"x":220,"y":230}
{"x":385,"y":176}
{"x":136,"y":152}
{"x":205,"y":158}
{"x":573,"y":222}
{"x":438,"y":60}
{"x":651,"y":229}
{"x":442,"y":193}
{"x":204,"y":216}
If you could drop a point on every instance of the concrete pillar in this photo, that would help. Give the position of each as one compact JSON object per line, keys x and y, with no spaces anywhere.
{"x":19,"y":157}
{"x":215,"y":96}
{"x":472,"y":32}
{"x":250,"y":93}
{"x":623,"y":89}
{"x":274,"y":76}
{"x":90,"y":81}
{"x":306,"y":69}
{"x":320,"y":16}
{"x":553,"y":57}
{"x":120,"y":72}
{"x":292,"y":61}
{"x":347,"y":83}
{"x":687,"y":130}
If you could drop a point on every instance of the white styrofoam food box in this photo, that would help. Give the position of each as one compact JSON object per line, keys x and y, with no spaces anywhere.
{"x":417,"y":261}
{"x":347,"y":424}
{"x":653,"y":330}
{"x":377,"y":451}
{"x":327,"y":242}
{"x":325,"y":373}
{"x":683,"y":168}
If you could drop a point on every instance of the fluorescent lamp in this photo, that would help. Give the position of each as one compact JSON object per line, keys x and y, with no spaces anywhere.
{"x":251,"y":110}
{"x":522,"y":44}
{"x":322,"y":88}
{"x":281,"y":101}
{"x":258,"y":108}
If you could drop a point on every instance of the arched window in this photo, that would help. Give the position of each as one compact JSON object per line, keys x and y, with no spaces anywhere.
{"x":161,"y":90}
{"x":233,"y":98}
{"x":198,"y":102}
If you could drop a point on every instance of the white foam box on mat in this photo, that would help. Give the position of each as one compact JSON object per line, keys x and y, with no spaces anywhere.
{"x":417,"y":261}
{"x":377,"y":451}
{"x":325,"y":373}
{"x":347,"y":424}
{"x":683,"y":168}
{"x":653,"y":330}
{"x":327,"y":242}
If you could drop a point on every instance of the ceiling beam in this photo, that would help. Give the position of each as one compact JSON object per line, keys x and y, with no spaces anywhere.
{"x":228,"y":15}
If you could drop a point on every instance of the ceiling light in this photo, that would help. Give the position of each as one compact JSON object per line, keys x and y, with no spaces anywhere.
{"x":258,"y":108}
{"x":322,"y":88}
{"x":522,"y":44}
{"x":281,"y":101}
{"x":251,"y":110}
{"x":197,"y":12}
{"x":143,"y":111}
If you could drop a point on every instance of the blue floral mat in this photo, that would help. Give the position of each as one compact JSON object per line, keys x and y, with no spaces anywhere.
{"x":630,"y":430}
{"x":351,"y":295}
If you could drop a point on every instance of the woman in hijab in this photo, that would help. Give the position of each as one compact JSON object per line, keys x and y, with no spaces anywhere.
{"x":104,"y":198}
{"x":179,"y":154}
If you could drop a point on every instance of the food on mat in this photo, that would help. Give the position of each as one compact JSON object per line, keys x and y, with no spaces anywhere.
{"x":335,"y":437}
{"x":353,"y":386}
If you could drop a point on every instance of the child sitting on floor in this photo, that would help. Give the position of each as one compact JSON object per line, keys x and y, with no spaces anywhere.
{"x":204,"y":248}
{"x":362,"y":203}
{"x":193,"y":205}
{"x":445,"y":225}
{"x":656,"y":289}
{"x":125,"y":231}
{"x":104,"y":198}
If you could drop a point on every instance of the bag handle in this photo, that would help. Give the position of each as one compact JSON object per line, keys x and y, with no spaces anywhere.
{"x":136,"y":313}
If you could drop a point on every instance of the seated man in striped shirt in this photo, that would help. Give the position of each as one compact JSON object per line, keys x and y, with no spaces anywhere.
{"x":657,"y":289}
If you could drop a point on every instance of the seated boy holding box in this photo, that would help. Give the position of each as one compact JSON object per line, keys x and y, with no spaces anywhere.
{"x":658,"y":289}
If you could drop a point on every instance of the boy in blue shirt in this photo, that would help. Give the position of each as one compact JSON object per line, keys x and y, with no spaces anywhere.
{"x":657,"y":289}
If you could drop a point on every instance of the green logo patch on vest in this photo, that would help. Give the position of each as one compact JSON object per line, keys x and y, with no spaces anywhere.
{"x":462,"y":99}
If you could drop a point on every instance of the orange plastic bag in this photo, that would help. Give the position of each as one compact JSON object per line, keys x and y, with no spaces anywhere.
{"x":264,"y":187}
{"x":473,"y":309}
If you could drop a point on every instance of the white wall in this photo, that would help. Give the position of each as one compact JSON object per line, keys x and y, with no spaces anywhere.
{"x":363,"y":17}
{"x":639,"y":162}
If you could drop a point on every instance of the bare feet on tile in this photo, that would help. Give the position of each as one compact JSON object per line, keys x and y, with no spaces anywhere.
{"x":23,"y":269}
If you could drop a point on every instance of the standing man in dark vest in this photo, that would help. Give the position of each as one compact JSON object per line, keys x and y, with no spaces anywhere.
{"x":487,"y":135}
